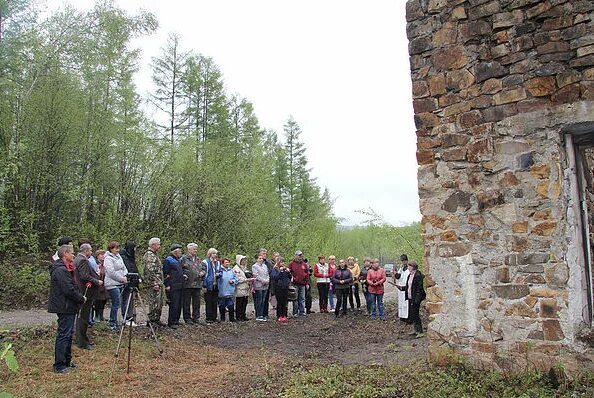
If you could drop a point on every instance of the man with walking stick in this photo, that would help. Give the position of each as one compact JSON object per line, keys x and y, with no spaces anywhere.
{"x":88,"y":281}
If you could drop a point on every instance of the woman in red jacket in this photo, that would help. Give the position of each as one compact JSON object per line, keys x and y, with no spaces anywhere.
{"x":376,"y":277}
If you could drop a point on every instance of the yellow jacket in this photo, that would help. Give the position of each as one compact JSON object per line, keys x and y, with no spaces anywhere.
{"x":356,"y":271}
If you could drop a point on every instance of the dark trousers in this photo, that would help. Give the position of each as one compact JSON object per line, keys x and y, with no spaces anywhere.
{"x":260,"y":303}
{"x":227,"y":304}
{"x":175,"y":306}
{"x":240,"y":308}
{"x":98,"y":309}
{"x":63,"y":347}
{"x":210,"y":299}
{"x":125,"y":296}
{"x":82,"y":324}
{"x":341,"y":300}
{"x":354,"y":290}
{"x":414,"y":317}
{"x":282,"y":295}
{"x":266,"y":307}
{"x":323,"y":292}
{"x":191,"y":301}
{"x":308,"y":299}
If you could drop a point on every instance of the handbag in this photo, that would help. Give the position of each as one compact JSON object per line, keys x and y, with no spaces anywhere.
{"x":292,"y":295}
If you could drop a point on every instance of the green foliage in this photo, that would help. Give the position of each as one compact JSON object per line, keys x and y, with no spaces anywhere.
{"x":7,"y":355}
{"x":417,"y":382}
{"x":25,"y":281}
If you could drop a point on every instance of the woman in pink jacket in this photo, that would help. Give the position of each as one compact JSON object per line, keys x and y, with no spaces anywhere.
{"x":376,"y":277}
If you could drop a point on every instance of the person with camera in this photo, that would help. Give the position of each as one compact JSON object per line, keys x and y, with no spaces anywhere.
{"x":376,"y":277}
{"x":282,"y":278}
{"x":88,"y":281}
{"x":153,"y":277}
{"x":115,"y":280}
{"x":128,"y":255}
{"x":321,"y":272}
{"x":174,"y":284}
{"x":210,"y":266}
{"x":192,"y":267}
{"x":242,"y":287}
{"x":341,"y":280}
{"x":64,"y":300}
{"x":300,"y":272}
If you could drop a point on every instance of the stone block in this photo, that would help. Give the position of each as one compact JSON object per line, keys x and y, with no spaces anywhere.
{"x":557,"y":57}
{"x":511,"y":292}
{"x":424,"y":120}
{"x":446,"y":35}
{"x":490,"y":199}
{"x":549,"y":308}
{"x":476,"y":219}
{"x":546,"y":228}
{"x":512,"y":80}
{"x":531,"y":279}
{"x":523,"y":66}
{"x":522,"y":43}
{"x":456,"y":109}
{"x":520,"y":308}
{"x":568,"y":77}
{"x":512,"y":59}
{"x":449,"y":236}
{"x":484,"y":10}
{"x":458,"y":14}
{"x":588,"y":74}
{"x":449,"y":58}
{"x":574,"y":32}
{"x":509,"y":179}
{"x":541,"y":170}
{"x":500,"y":51}
{"x":422,"y":105}
{"x":508,"y":19}
{"x":433,"y":308}
{"x":550,"y":68}
{"x":458,"y":199}
{"x":497,"y":113}
{"x":435,"y":221}
{"x":502,"y":275}
{"x":544,"y":214}
{"x":491,"y":86}
{"x":413,"y":10}
{"x":487,"y":348}
{"x":531,"y":301}
{"x":567,"y":94}
{"x":419,"y":45}
{"x":480,"y":150}
{"x":436,"y":6}
{"x":481,"y":102}
{"x":587,"y":60}
{"x":420,"y":89}
{"x":522,"y":3}
{"x":459,"y":79}
{"x":582,"y":41}
{"x":434,"y":294}
{"x":506,"y":97}
{"x":533,"y":104}
{"x":557,"y":274}
{"x":525,"y":160}
{"x":520,"y":227}
{"x":453,"y":249}
{"x":454,"y":154}
{"x":470,"y":119}
{"x":473,"y":30}
{"x":450,"y":140}
{"x":487,"y":70}
{"x":542,"y":188}
{"x":437,"y":84}
{"x":541,"y":86}
{"x":525,"y":28}
{"x":511,"y":147}
{"x":587,"y":90}
{"x":538,"y":9}
{"x":424,"y":143}
{"x":543,"y":292}
{"x":558,"y":23}
{"x":532,"y":269}
{"x":425,"y":157}
{"x":552,"y":330}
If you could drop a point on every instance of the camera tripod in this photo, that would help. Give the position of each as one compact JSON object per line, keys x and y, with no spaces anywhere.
{"x":134,"y":293}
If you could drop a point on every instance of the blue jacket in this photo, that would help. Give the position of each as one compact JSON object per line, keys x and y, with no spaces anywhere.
{"x":174,"y":274}
{"x":226,"y":280}
{"x":211,"y":269}
{"x":281,"y":279}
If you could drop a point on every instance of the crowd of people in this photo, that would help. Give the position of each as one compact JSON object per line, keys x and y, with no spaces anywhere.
{"x":82,"y":283}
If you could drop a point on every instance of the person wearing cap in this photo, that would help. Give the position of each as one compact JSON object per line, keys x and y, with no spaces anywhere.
{"x":399,"y":278}
{"x":65,"y":240}
{"x":300,"y":273}
{"x":153,"y":277}
{"x":211,"y":266}
{"x":174,"y":283}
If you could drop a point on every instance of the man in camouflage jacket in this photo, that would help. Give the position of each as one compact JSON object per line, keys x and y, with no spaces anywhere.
{"x":153,"y":277}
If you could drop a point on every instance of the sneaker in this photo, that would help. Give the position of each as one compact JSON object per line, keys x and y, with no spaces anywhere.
{"x":372,"y":318}
{"x":259,"y":319}
{"x":131,"y":323}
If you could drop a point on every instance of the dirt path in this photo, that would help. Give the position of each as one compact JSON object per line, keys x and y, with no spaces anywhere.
{"x":40,"y":317}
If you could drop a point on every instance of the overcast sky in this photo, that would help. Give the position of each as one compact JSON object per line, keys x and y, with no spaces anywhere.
{"x":340,"y":67}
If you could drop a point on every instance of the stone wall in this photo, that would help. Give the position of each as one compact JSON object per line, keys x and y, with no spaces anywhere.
{"x":495,"y":86}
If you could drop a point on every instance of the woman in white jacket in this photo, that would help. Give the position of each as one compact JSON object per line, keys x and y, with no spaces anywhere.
{"x":115,"y":279}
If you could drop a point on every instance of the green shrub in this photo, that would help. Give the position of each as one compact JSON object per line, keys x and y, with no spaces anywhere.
{"x":25,"y":283}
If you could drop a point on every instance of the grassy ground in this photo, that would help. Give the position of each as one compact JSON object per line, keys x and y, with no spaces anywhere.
{"x":315,"y":357}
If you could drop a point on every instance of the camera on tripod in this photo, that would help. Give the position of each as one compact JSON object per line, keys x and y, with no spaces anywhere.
{"x":133,"y":280}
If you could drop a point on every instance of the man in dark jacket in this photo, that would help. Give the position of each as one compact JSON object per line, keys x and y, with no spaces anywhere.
{"x":415,"y":294}
{"x":85,"y":275}
{"x":192,"y":268}
{"x":64,"y":300}
{"x":174,"y":283}
{"x":128,"y":255}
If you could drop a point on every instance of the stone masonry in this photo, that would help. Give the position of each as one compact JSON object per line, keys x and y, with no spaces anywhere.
{"x":496,"y":85}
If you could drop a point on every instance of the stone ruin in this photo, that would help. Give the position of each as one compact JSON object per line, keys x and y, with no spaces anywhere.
{"x":503,"y":95}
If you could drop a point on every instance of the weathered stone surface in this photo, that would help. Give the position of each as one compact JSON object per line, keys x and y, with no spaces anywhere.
{"x":587,"y":60}
{"x":484,"y":10}
{"x":428,"y":143}
{"x":435,"y":221}
{"x":446,"y":35}
{"x":449,"y":140}
{"x":543,"y":292}
{"x":532,"y":269}
{"x":458,"y":199}
{"x":420,"y":89}
{"x":527,"y":258}
{"x":459,"y":79}
{"x":437,"y":84}
{"x":488,"y":70}
{"x":497,"y":113}
{"x":520,"y":309}
{"x":533,"y":104}
{"x":520,"y":227}
{"x":552,"y":330}
{"x":583,"y":51}
{"x":541,"y":86}
{"x":532,"y":279}
{"x":541,"y":170}
{"x":544,"y":214}
{"x":530,"y":301}
{"x":458,"y":13}
{"x":425,"y":157}
{"x":587,"y":90}
{"x":509,"y":179}
{"x":522,"y":43}
{"x":434,"y":294}
{"x":435,"y":6}
{"x":480,"y":150}
{"x":549,"y":308}
{"x":413,"y":10}
{"x":557,"y":275}
{"x":426,"y":120}
{"x":470,"y":119}
{"x":422,"y":105}
{"x":511,"y":292}
{"x":538,"y":9}
{"x":473,"y":29}
{"x":453,"y":249}
{"x":454,"y":154}
{"x":507,"y":19}
{"x":500,"y":51}
{"x":553,"y":47}
{"x":449,"y":58}
{"x":569,"y":93}
{"x":490,"y":199}
{"x":546,"y":228}
{"x":502,"y":275}
{"x":558,"y":23}
{"x":536,"y":335}
{"x":525,"y":160}
{"x":491,"y":86}
{"x":514,"y":95}
{"x":449,"y":236}
{"x":511,"y":147}
{"x":512,"y":80}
